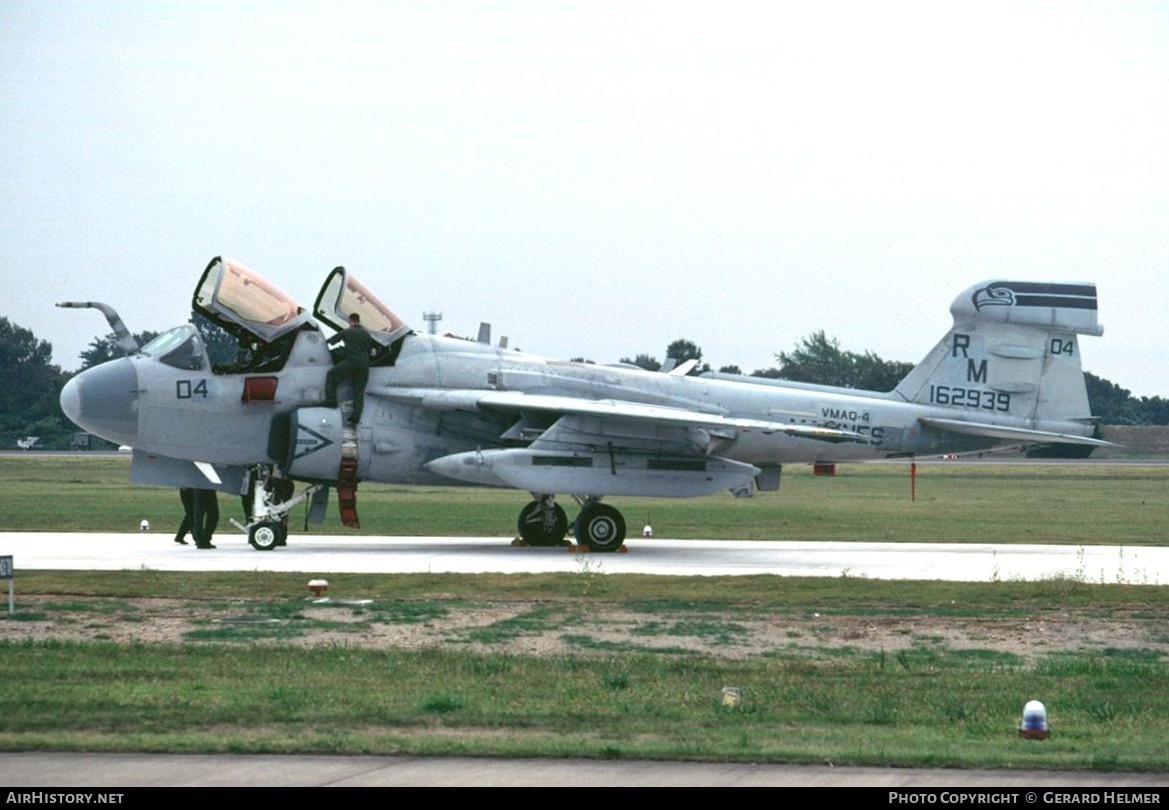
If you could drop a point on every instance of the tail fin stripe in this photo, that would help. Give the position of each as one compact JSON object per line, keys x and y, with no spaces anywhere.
{"x":1029,"y":294}
{"x":1053,"y":301}
{"x":1085,"y":290}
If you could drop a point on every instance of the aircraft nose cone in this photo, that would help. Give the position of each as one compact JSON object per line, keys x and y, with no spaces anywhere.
{"x":104,"y":401}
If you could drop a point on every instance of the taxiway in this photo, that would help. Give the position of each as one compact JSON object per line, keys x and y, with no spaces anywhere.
{"x":990,"y":562}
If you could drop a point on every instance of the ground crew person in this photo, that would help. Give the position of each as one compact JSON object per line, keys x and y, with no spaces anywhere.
{"x":354,"y":366}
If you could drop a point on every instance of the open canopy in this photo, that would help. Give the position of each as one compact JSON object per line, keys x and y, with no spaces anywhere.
{"x":240,"y":300}
{"x":342,"y":295}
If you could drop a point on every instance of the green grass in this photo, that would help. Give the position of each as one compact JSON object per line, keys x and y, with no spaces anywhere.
{"x":926,"y":710}
{"x":244,"y":688}
{"x":241,"y":683}
{"x":416,"y":597}
{"x":958,"y":503}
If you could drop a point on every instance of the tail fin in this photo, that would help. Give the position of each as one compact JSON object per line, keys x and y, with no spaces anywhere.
{"x":1012,"y":352}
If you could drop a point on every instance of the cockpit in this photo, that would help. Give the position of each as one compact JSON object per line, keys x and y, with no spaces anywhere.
{"x":264,"y":320}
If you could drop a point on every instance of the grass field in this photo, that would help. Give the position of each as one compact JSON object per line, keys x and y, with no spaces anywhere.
{"x":259,"y":671}
{"x":955,"y":503}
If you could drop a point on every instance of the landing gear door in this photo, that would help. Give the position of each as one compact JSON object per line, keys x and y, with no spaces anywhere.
{"x":341,"y":295}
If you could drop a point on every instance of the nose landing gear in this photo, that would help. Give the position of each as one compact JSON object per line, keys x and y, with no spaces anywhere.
{"x":268,"y":501}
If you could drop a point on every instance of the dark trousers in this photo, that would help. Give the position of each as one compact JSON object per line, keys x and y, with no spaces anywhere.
{"x":357,"y":375}
{"x":200,"y":514}
{"x":187,"y":496}
{"x":206,"y":514}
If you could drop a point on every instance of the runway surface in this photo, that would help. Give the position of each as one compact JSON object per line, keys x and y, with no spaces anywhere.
{"x":114,"y":771}
{"x":312,"y":554}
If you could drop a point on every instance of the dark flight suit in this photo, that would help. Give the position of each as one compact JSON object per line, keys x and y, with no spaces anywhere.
{"x":187,"y":496}
{"x":353,"y":367}
{"x":206,"y":517}
{"x":200,"y":516}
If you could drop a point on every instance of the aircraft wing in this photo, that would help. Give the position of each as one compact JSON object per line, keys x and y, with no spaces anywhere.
{"x":1010,"y":433}
{"x":620,"y":410}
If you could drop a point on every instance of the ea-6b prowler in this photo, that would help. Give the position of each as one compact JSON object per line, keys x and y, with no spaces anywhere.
{"x":441,"y":410}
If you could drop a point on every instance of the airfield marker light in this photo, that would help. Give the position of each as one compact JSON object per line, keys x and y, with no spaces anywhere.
{"x":648,"y":531}
{"x":1034,"y":725}
{"x":731,"y":697}
{"x":144,"y":526}
{"x":318,"y":587}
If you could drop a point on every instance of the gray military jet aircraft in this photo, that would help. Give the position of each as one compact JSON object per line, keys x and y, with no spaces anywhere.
{"x":441,"y":410}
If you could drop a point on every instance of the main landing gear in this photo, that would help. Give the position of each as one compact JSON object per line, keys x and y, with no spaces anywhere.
{"x":598,"y":526}
{"x":542,"y":522}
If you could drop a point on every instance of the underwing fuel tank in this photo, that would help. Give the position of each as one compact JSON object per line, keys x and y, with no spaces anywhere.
{"x":596,"y":473}
{"x":309,"y":442}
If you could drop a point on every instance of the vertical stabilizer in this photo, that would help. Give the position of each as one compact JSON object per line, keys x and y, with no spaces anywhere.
{"x":1013,"y":352}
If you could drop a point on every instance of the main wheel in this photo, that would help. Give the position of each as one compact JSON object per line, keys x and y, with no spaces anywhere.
{"x":600,"y":527}
{"x":539,"y":525}
{"x":267,"y":536}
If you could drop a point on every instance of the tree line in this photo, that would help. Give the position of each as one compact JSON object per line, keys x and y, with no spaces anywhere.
{"x":30,"y":384}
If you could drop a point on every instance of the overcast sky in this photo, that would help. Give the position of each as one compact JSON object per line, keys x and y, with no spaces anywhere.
{"x":594,"y":179}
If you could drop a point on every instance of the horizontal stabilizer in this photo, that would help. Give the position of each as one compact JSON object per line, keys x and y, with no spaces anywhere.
{"x":1011,"y":433}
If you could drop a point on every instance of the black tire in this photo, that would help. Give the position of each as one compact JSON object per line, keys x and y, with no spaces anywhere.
{"x":267,"y":536}
{"x":540,"y":527}
{"x":600,"y":527}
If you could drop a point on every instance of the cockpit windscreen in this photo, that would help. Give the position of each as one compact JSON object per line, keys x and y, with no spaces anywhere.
{"x":180,"y":347}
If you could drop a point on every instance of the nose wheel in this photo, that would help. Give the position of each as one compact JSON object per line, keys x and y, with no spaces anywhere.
{"x":267,"y":502}
{"x":267,"y":536}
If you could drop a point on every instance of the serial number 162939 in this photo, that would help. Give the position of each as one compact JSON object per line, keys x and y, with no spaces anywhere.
{"x":979,"y":398}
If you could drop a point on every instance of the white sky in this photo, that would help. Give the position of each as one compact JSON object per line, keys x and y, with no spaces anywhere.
{"x":594,"y":179}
